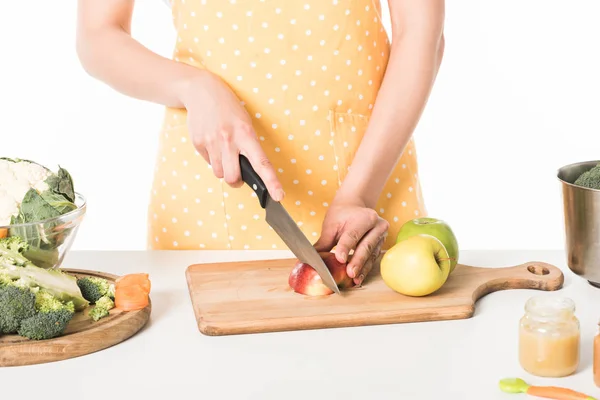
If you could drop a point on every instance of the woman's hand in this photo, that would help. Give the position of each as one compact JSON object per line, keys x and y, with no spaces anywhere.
{"x":350,"y":225}
{"x":220,"y":127}
{"x":221,"y":130}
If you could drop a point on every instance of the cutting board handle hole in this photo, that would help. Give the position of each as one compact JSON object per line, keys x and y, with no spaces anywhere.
{"x":538,"y":270}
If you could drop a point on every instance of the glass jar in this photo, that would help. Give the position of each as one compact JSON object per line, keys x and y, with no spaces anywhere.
{"x":597,"y":359}
{"x":549,"y":337}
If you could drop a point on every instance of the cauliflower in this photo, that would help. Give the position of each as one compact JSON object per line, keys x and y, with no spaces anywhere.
{"x":16,"y":178}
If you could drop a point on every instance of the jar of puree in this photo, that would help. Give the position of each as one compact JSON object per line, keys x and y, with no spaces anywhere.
{"x":549,"y":337}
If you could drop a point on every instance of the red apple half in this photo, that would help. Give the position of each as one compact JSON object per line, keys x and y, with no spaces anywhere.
{"x":304,"y":279}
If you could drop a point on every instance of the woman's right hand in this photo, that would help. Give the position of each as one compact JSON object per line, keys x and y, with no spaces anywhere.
{"x":221,"y":130}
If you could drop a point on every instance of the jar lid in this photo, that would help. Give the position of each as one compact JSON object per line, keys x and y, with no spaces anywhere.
{"x":550,"y":306}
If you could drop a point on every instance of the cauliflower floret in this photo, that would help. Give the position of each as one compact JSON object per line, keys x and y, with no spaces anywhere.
{"x":16,"y":178}
{"x":8,"y":207}
{"x":34,"y":174}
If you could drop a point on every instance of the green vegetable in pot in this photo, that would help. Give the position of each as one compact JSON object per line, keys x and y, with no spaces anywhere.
{"x":590,"y":179}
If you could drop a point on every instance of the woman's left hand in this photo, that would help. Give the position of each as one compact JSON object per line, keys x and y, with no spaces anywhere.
{"x":351,"y":225}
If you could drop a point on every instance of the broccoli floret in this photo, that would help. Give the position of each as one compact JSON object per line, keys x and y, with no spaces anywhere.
{"x":590,"y":179}
{"x":46,"y":302}
{"x":5,"y":279}
{"x":51,"y":318}
{"x":93,"y":288}
{"x":15,"y":243}
{"x":17,"y":267}
{"x":98,"y":313}
{"x":46,"y":325}
{"x":16,"y":305}
{"x":105,"y":302}
{"x":101,"y":310}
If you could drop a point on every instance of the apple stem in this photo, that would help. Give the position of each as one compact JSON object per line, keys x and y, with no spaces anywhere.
{"x":446,"y":259}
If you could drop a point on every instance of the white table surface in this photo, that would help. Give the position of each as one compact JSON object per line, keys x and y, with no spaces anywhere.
{"x":171,"y":359}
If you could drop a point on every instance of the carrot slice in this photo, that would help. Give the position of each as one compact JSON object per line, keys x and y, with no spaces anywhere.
{"x":3,"y":233}
{"x":138,"y":279}
{"x":552,"y":392}
{"x":143,"y":286}
{"x":130,"y":298}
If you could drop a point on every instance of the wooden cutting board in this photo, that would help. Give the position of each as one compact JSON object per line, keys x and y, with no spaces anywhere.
{"x":82,"y":336}
{"x":254,"y":297}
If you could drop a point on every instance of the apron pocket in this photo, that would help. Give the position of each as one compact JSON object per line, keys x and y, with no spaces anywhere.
{"x":347,"y":131}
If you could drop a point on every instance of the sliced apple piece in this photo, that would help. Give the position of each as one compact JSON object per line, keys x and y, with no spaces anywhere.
{"x":304,"y":279}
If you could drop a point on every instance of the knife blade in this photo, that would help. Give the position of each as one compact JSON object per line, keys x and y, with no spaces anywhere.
{"x":284,"y":225}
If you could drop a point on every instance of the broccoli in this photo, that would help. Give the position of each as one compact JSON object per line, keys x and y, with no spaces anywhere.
{"x":50,"y":320}
{"x":16,"y":305}
{"x":590,"y":179}
{"x":93,"y":288}
{"x":15,"y":243}
{"x":46,"y":302}
{"x":101,"y":310}
{"x":45,"y":325}
{"x":17,"y":267}
{"x":4,"y":279}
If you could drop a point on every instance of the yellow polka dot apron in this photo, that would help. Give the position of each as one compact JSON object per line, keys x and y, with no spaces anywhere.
{"x":307,"y":72}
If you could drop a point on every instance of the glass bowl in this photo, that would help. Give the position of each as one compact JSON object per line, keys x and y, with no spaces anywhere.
{"x":50,"y":239}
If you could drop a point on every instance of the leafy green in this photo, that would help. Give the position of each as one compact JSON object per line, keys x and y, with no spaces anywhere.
{"x":61,"y":184}
{"x":58,"y":202}
{"x":34,"y":208}
{"x":43,"y":256}
{"x":42,"y":250}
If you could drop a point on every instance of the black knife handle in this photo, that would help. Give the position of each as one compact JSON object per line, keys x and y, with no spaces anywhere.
{"x":252,"y":179}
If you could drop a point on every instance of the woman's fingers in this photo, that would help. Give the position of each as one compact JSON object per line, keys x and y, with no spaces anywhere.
{"x":369,"y":263}
{"x":204,"y":154}
{"x":215,"y":160}
{"x":353,"y":231}
{"x":251,"y":148}
{"x":365,"y":248}
{"x":231,"y":164}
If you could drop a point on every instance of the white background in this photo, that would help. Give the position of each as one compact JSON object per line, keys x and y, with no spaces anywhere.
{"x":516,"y":98}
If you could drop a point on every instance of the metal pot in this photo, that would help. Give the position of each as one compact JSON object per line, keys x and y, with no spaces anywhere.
{"x":581,"y":208}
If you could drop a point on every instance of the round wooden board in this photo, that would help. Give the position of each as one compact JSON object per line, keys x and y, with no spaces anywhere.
{"x":82,"y":336}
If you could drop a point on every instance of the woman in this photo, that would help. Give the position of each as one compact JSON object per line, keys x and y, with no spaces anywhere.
{"x":304,"y":89}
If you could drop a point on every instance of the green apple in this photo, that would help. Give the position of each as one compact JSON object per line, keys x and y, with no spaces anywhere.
{"x":435,"y":227}
{"x":416,"y":266}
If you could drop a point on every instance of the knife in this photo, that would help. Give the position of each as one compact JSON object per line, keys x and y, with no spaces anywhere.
{"x":283,"y":224}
